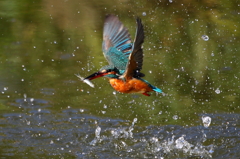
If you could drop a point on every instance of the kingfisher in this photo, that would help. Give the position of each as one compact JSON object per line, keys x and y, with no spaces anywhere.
{"x":125,"y":58}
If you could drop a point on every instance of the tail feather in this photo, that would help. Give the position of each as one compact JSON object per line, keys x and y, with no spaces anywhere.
{"x":156,"y":89}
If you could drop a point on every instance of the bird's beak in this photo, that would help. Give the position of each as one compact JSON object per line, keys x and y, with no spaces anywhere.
{"x":100,"y":74}
{"x":95,"y":75}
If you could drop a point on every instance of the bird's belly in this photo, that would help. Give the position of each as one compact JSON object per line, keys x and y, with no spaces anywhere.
{"x":130,"y":86}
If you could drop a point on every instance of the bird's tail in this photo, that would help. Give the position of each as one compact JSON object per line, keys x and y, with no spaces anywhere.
{"x":156,"y":89}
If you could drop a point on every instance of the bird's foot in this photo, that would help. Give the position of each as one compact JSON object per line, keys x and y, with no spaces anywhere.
{"x":145,"y":93}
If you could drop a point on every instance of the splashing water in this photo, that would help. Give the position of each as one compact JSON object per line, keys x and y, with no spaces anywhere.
{"x":97,"y":136}
{"x":124,"y":132}
{"x":97,"y":132}
{"x":131,"y":127}
{"x":183,"y":144}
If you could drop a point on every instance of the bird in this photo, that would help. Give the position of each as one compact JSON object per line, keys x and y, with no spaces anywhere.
{"x":125,"y":58}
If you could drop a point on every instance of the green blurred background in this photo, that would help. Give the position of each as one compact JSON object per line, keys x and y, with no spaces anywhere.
{"x":44,"y":43}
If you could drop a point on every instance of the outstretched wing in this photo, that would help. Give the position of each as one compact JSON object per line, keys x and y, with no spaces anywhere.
{"x":116,"y":44}
{"x":135,"y":62}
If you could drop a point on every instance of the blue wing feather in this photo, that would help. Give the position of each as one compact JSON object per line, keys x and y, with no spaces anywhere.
{"x":117,"y":43}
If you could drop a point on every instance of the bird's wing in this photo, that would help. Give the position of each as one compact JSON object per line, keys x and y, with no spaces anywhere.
{"x":116,"y":44}
{"x":135,"y":62}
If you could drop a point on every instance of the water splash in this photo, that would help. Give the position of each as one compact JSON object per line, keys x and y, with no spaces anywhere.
{"x":180,"y":145}
{"x":124,"y":132}
{"x":183,"y":144}
{"x":97,"y":132}
{"x":97,"y":136}
{"x":131,"y":128}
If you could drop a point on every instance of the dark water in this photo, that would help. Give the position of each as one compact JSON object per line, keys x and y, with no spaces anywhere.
{"x":191,"y":52}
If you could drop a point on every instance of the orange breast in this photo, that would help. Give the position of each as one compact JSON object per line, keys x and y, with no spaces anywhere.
{"x":130,"y":86}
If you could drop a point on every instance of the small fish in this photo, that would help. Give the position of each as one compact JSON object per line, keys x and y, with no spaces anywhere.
{"x":87,"y":81}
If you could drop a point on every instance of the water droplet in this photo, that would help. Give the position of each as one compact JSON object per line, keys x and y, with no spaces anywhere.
{"x":134,"y":120}
{"x":205,"y":37}
{"x":170,"y":1}
{"x":25,"y":96}
{"x":154,"y":139}
{"x":28,"y":122}
{"x":31,"y":99}
{"x":217,"y":91}
{"x":81,"y":110}
{"x":144,"y":13}
{"x":34,"y":47}
{"x":175,"y":117}
{"x":97,"y":132}
{"x":196,"y":82}
{"x":206,"y":121}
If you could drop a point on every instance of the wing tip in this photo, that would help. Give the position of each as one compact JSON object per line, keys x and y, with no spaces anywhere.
{"x":110,"y":17}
